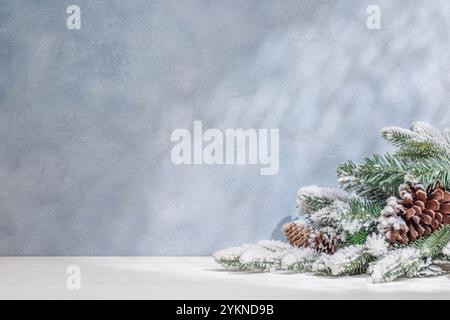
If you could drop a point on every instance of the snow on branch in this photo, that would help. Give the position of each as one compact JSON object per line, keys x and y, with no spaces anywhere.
{"x":299,"y":260}
{"x":422,"y":140}
{"x":403,"y":262}
{"x":313,"y":198}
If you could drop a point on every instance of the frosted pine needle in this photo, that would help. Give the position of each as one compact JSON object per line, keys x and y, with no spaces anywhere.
{"x":274,"y":245}
{"x":398,"y":263}
{"x":376,"y":245}
{"x":299,"y":260}
{"x":313,"y":198}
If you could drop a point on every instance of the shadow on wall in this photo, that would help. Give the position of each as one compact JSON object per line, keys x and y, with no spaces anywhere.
{"x":277,"y":233}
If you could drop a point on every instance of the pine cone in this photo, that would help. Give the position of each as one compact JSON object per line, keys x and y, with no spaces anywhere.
{"x":298,"y":233}
{"x":422,"y":211}
{"x":301,"y":235}
{"x":325,"y":242}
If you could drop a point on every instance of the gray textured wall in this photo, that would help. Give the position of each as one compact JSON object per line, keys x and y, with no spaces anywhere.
{"x":86,"y":115}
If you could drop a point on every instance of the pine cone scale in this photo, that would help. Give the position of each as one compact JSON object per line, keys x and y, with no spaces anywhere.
{"x":420,"y":204}
{"x":445,"y":208}
{"x":421,"y":196}
{"x":409,"y":213}
{"x":446,"y":196}
{"x":432,"y":205}
{"x":437,"y":195}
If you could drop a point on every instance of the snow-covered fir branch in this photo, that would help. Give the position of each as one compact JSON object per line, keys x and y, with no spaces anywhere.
{"x":261,"y":259}
{"x":446,"y":137}
{"x":403,"y":262}
{"x":348,"y":179}
{"x":329,"y":216}
{"x":313,"y":198}
{"x":426,"y":130}
{"x":360,"y":219}
{"x":398,"y":135}
{"x":434,"y":244}
{"x":349,"y":260}
{"x":446,"y":250}
{"x":274,"y":245}
{"x":299,"y":259}
{"x":229,"y":257}
{"x":430,"y":270}
{"x":422,"y":140}
{"x":376,"y":245}
{"x":264,"y":256}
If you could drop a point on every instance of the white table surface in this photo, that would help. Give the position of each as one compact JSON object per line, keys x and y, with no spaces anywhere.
{"x":190,"y":278}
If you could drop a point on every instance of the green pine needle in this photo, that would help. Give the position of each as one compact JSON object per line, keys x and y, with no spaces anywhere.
{"x":316,"y":203}
{"x":378,"y":177}
{"x":358,"y":237}
{"x":363,"y":209}
{"x":359,"y":265}
{"x":434,"y":243}
{"x":414,"y":146}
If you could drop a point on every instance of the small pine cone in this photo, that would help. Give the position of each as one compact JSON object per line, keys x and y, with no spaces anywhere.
{"x":325,"y":241}
{"x":298,"y":233}
{"x":399,"y":234}
{"x":422,"y":211}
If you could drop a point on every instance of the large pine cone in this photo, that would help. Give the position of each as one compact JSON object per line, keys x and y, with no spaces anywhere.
{"x":422,"y":211}
{"x":298,"y":233}
{"x":301,"y":235}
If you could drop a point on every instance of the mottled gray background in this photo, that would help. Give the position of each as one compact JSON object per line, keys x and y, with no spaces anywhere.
{"x":86,"y":115}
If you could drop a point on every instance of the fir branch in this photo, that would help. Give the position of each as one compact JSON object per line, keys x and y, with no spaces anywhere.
{"x":413,"y":260}
{"x":426,"y":130}
{"x":313,"y":198}
{"x":229,"y":258}
{"x":359,"y":265}
{"x":261,"y":260}
{"x":299,"y":260}
{"x":347,"y":174}
{"x":443,"y":258}
{"x":446,"y":251}
{"x":419,"y":150}
{"x":359,"y":237}
{"x":422,"y":141}
{"x":349,"y":260}
{"x":263,"y":257}
{"x":403,"y":262}
{"x":316,"y":203}
{"x":360,"y":220}
{"x":431,"y":270}
{"x":434,"y":244}
{"x":350,"y":179}
{"x":329,"y":216}
{"x":446,"y":137}
{"x":376,"y":245}
{"x":429,"y":171}
{"x":380,"y":176}
{"x":274,"y":245}
{"x":363,"y":209}
{"x":443,"y":262}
